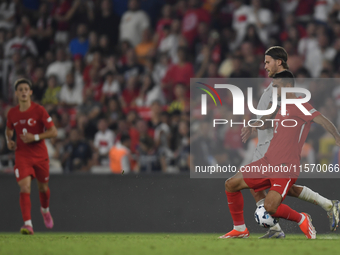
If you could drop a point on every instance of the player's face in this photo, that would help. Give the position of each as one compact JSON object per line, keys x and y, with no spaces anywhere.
{"x":271,"y":65}
{"x":23,"y":92}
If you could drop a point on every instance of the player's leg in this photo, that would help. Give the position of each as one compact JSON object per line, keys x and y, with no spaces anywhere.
{"x":235,"y":203}
{"x":275,"y":231}
{"x":42,"y":174}
{"x":332,"y":207}
{"x":25,"y":204}
{"x":273,"y":205}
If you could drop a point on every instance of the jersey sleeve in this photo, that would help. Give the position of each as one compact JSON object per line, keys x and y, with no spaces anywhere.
{"x":9,"y":123}
{"x":46,"y":118}
{"x":310,"y":109}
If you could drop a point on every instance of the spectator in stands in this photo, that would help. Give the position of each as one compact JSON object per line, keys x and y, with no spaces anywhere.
{"x":106,"y":22}
{"x":93,"y":46}
{"x":80,"y":44}
{"x":238,"y":71}
{"x":165,"y":20}
{"x":132,"y":67}
{"x":77,"y":154}
{"x":130,"y":93}
{"x":51,"y":96}
{"x":70,"y":94}
{"x":149,"y":158}
{"x":309,"y":42}
{"x":104,"y":46}
{"x":103,"y":141}
{"x":15,"y":69}
{"x":133,"y":23}
{"x":149,"y":92}
{"x":84,"y":14}
{"x":62,"y":12}
{"x":316,"y":55}
{"x":7,"y":14}
{"x":111,"y":85}
{"x":323,"y":9}
{"x":295,"y":62}
{"x":95,"y":84}
{"x":194,"y":15}
{"x":178,"y":73}
{"x":120,"y":156}
{"x":181,"y":101}
{"x":39,"y":84}
{"x":251,"y":62}
{"x":96,"y":63}
{"x":20,"y":43}
{"x":113,"y":113}
{"x":60,"y":67}
{"x":169,"y":43}
{"x":91,"y":109}
{"x":146,"y":47}
{"x":182,"y":152}
{"x":44,"y":31}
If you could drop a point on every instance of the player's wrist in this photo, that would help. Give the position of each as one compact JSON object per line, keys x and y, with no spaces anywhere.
{"x":36,"y":137}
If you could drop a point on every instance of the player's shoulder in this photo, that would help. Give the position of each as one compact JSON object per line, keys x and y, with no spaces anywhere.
{"x":37,"y":107}
{"x":13,"y":109}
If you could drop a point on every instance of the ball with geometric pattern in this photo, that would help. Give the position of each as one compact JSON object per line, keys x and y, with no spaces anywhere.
{"x":263,"y":218}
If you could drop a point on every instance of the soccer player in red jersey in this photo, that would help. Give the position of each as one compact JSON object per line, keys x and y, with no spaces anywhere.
{"x":284,"y":150}
{"x":32,"y":125}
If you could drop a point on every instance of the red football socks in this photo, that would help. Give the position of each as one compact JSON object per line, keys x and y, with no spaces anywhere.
{"x":45,"y":199}
{"x":25,"y":205}
{"x":235,"y":203}
{"x":285,"y":212}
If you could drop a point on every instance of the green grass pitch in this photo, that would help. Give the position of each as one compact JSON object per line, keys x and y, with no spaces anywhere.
{"x":134,"y":243}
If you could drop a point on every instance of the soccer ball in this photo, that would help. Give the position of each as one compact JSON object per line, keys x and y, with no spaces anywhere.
{"x":263,"y":218}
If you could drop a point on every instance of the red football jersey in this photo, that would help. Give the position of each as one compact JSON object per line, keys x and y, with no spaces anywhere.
{"x":34,"y":120}
{"x":287,"y":142}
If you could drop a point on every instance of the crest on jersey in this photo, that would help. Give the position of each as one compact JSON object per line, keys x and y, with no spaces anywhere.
{"x":31,"y":122}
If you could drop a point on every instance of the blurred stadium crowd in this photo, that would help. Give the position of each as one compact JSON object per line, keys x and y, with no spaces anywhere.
{"x":114,"y":74}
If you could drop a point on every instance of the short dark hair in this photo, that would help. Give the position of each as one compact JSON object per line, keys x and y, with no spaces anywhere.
{"x":286,"y":76}
{"x":22,"y":81}
{"x":278,"y":53}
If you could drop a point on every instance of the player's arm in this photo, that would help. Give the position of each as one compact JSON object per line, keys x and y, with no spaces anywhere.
{"x":9,"y":135}
{"x":329,"y":126}
{"x":247,"y":131}
{"x":49,"y":133}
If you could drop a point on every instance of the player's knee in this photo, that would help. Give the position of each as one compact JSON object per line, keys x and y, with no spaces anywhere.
{"x":295,"y":191}
{"x":25,"y":188}
{"x":229,"y":185}
{"x":270,"y":207}
{"x":43,"y":187}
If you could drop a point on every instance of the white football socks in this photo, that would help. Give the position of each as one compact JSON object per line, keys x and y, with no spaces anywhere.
{"x":28,"y":223}
{"x":261,"y":202}
{"x":313,"y":197}
{"x":240,"y":228}
{"x":45,"y":210}
{"x":302,"y":219}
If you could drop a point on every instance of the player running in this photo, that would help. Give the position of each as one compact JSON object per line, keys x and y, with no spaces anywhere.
{"x":32,"y":125}
{"x":275,"y":62}
{"x":284,"y":149}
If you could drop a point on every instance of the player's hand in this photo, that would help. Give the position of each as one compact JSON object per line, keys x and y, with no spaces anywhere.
{"x":28,"y":138}
{"x":11,"y":145}
{"x":245,"y":133}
